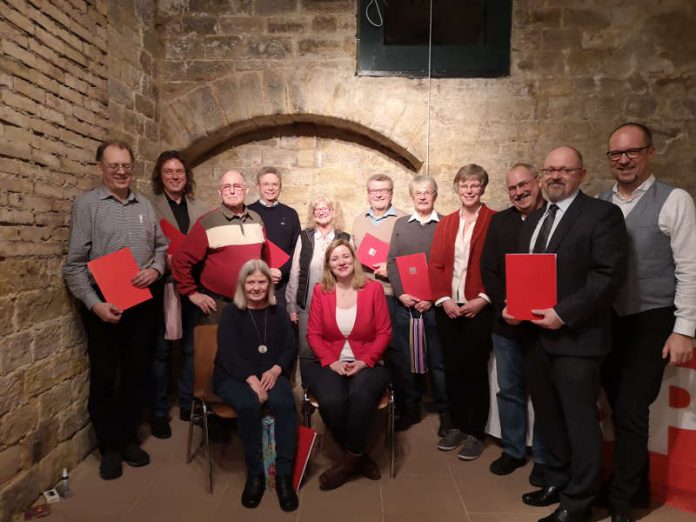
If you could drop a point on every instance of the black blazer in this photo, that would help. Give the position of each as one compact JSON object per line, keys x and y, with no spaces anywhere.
{"x":590,"y":243}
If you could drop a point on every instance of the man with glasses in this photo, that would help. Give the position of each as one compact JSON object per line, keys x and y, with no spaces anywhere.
{"x":379,"y":221}
{"x":564,"y":348}
{"x":104,"y":220}
{"x":525,"y":195}
{"x":219,"y":244}
{"x":281,"y":222}
{"x":655,"y":310}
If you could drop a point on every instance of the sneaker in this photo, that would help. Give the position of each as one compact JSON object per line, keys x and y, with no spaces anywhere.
{"x":538,"y":476}
{"x":110,"y":467}
{"x":506,"y":464}
{"x":451,"y":440}
{"x":471,"y":448}
{"x":135,"y":456}
{"x":159,"y":427}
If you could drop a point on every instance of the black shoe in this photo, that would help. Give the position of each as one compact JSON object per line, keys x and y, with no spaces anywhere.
{"x":135,"y":456}
{"x":565,"y":515}
{"x":406,"y":420}
{"x":287,"y":498}
{"x":253,"y":490}
{"x":538,"y":476}
{"x":505,"y":464}
{"x":621,"y":516}
{"x":542,"y":497}
{"x":184,"y":414}
{"x":159,"y":427}
{"x":110,"y":467}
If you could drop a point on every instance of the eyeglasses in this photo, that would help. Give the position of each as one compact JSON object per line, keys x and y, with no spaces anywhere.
{"x":566,"y":171}
{"x":271,"y":184}
{"x":171,"y":172}
{"x":423,"y":193}
{"x":383,"y":191}
{"x":615,"y":155}
{"x":115,"y":167}
{"x":470,"y":186}
{"x":232,"y":188}
{"x":319,"y":211}
{"x":522,"y":185}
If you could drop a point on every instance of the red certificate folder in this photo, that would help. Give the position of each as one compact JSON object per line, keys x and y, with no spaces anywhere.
{"x":305,"y":441}
{"x":173,"y":234}
{"x":277,"y":257}
{"x":530,"y":284}
{"x":413,"y":271}
{"x":113,"y":273}
{"x":372,"y":251}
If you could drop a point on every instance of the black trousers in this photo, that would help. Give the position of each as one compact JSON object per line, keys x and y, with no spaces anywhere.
{"x":118,"y":363}
{"x":348,"y":405}
{"x":632,"y":377}
{"x":466,"y":349}
{"x":564,"y":391}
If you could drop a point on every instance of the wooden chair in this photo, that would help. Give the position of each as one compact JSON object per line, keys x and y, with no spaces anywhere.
{"x":205,"y":402}
{"x":310,"y":404}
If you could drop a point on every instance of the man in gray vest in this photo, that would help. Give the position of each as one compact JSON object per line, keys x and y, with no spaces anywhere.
{"x":655,"y":309}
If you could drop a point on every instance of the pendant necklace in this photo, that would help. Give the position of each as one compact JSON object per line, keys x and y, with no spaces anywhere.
{"x":262,"y":344}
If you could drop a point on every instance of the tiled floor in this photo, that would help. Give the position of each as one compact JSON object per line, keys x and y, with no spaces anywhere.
{"x":430,"y":485}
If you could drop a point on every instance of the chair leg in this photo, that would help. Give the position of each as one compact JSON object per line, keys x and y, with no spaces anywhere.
{"x":207,"y":447}
{"x":189,"y":453}
{"x":390,"y":434}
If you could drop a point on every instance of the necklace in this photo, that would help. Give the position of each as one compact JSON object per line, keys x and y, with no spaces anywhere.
{"x":262,"y":344}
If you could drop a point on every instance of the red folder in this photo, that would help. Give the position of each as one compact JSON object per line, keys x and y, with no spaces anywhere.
{"x":305,"y":441}
{"x":277,"y":257}
{"x":113,"y":273}
{"x":530,"y":284}
{"x":173,"y":234}
{"x":372,"y":251}
{"x":413,"y":271}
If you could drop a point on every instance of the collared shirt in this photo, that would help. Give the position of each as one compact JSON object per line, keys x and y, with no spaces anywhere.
{"x":677,"y":220}
{"x":417,"y":217}
{"x":101,"y":224}
{"x":268,"y":203}
{"x":462,"y":248}
{"x":374,"y":219}
{"x":562,"y":205}
{"x":180,"y":211}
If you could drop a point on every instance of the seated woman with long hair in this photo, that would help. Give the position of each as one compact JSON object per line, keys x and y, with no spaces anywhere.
{"x":348,"y":331}
{"x":256,"y":350}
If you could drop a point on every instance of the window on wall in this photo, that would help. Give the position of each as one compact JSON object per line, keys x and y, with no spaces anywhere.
{"x":470,"y":38}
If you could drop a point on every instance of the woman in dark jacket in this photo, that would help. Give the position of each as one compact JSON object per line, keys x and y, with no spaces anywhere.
{"x":256,"y":349}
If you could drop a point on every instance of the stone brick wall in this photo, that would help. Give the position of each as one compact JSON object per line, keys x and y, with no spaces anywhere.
{"x":578,"y":69}
{"x":68,"y":71}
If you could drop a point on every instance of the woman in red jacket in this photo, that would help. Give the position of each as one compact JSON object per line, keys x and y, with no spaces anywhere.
{"x":348,"y":331}
{"x":463,"y":315}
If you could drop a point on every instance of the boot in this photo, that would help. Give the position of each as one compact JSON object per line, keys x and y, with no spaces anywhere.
{"x":368,"y":468}
{"x":337,"y":475}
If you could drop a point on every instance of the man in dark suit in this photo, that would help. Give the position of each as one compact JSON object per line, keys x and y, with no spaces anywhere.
{"x":565,"y":347}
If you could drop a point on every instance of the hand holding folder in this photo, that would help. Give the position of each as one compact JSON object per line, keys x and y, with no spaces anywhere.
{"x":530,"y":284}
{"x":413,"y":271}
{"x":113,"y":274}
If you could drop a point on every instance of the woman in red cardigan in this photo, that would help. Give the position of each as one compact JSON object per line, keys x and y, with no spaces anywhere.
{"x":348,"y":331}
{"x":463,"y":315}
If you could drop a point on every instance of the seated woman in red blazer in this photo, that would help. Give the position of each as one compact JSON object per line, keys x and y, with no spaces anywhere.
{"x":348,"y":330}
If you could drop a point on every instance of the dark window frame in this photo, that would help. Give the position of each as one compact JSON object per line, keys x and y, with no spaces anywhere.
{"x":489,"y":60}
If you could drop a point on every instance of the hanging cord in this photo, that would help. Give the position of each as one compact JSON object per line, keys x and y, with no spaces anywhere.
{"x":430,"y":83}
{"x":380,"y":18}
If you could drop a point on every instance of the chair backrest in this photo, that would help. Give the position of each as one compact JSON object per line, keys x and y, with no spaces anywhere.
{"x":204,"y":352}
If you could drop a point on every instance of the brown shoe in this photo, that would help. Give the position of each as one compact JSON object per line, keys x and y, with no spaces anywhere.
{"x":337,"y":475}
{"x":368,"y":468}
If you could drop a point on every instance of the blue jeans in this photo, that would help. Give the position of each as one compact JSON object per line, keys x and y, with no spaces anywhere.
{"x":436,"y":369}
{"x":512,"y":400}
{"x":250,"y":413}
{"x":161,"y":363}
